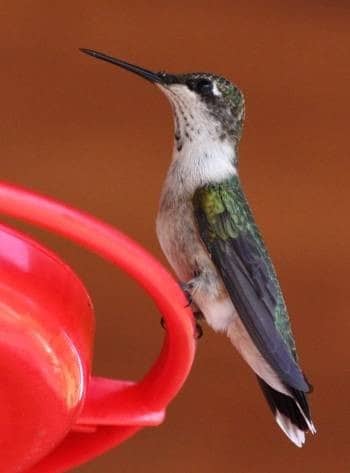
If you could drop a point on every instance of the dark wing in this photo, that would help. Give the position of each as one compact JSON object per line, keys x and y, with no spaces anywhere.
{"x":227,"y":228}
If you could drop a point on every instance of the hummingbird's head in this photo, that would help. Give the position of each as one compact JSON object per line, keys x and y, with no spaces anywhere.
{"x":206,"y":107}
{"x":204,"y":104}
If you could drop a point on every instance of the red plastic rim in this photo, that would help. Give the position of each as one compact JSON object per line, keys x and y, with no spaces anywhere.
{"x":153,"y":393}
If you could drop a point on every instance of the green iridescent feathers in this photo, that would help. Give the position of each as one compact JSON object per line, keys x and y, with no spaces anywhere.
{"x":229,"y":219}
{"x":235,"y":97}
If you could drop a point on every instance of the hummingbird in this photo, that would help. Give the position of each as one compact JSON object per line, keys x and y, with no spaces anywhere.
{"x":207,"y":231}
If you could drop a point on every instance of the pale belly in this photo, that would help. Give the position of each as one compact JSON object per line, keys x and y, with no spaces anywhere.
{"x":180,"y":241}
{"x":181,"y":244}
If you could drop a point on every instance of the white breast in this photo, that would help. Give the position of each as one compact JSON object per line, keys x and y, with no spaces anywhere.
{"x":201,"y":155}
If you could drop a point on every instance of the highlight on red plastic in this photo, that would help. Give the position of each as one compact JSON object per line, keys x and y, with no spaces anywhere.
{"x":54,"y":414}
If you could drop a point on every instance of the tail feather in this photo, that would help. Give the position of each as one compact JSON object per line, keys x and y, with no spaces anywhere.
{"x":292,"y":413}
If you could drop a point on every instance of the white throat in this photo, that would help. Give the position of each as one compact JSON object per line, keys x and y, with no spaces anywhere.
{"x":200,"y":156}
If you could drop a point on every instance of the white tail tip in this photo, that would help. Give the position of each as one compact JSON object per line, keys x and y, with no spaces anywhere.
{"x":296,"y":435}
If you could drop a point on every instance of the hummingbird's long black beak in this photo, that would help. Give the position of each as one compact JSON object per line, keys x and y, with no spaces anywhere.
{"x":157,"y":77}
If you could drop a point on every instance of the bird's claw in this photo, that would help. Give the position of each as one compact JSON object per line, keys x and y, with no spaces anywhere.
{"x":198,"y":331}
{"x":186,"y":288}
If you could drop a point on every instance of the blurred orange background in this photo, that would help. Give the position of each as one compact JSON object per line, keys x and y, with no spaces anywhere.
{"x":101,"y":139}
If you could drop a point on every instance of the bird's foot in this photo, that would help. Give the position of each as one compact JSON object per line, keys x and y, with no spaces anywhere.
{"x":188,"y":289}
{"x":198,"y":316}
{"x":198,"y":333}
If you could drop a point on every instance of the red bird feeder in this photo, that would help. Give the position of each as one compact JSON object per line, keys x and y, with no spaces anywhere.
{"x":54,"y":414}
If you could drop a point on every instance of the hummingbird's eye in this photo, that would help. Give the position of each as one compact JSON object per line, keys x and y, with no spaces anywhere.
{"x":204,"y":87}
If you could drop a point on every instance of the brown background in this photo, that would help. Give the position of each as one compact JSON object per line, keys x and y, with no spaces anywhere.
{"x":101,"y":139}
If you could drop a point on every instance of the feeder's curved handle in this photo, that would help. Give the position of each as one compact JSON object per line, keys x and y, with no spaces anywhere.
{"x":109,"y":402}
